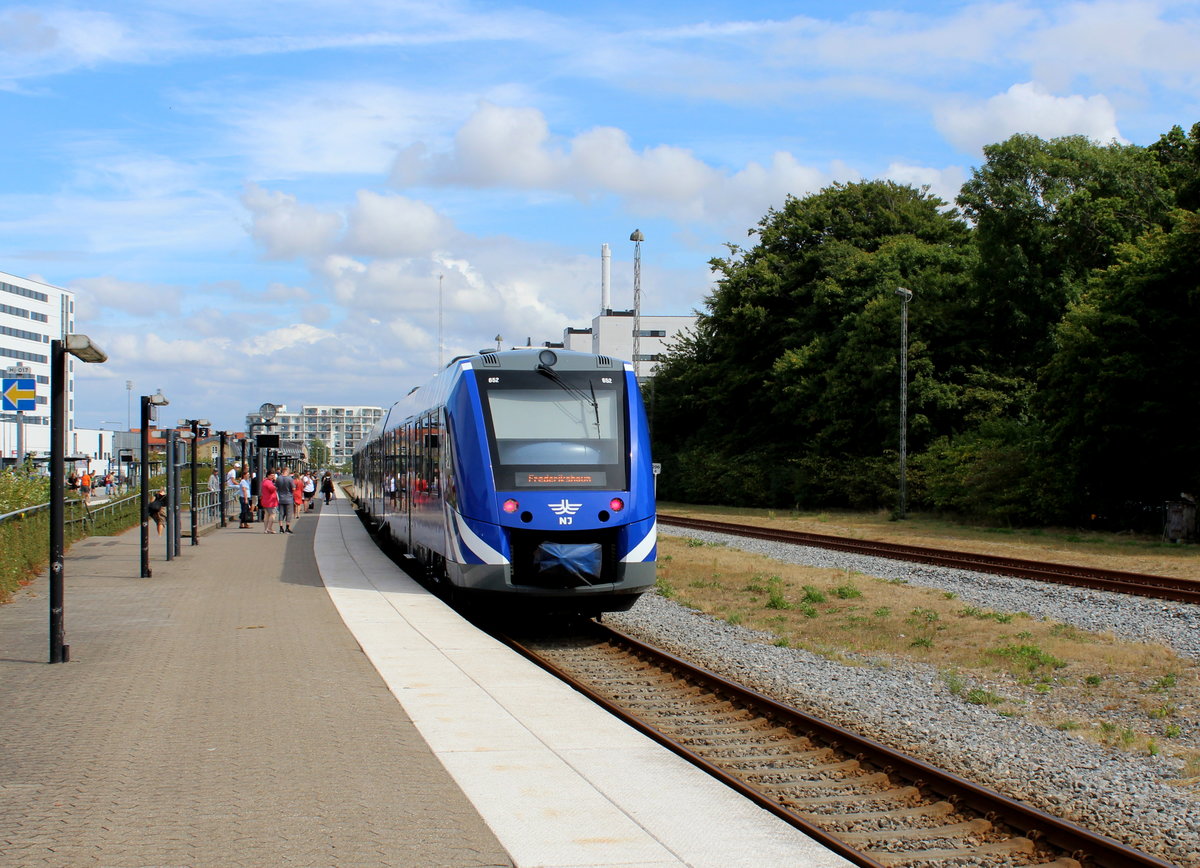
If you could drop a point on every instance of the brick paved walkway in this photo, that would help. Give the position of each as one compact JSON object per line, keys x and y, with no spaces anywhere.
{"x":218,"y":713}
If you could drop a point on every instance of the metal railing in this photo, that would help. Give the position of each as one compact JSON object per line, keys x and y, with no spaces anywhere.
{"x":24,"y":533}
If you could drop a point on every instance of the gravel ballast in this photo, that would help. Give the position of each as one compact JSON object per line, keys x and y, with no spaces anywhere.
{"x":907,"y":705}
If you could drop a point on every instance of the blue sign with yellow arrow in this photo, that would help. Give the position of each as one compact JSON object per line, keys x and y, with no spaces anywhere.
{"x":20,"y":394}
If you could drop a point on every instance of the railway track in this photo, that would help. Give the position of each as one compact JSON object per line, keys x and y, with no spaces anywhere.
{"x":874,"y":806}
{"x":1140,"y":584}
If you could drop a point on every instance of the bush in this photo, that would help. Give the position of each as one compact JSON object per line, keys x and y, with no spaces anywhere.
{"x":25,"y":538}
{"x":998,"y":472}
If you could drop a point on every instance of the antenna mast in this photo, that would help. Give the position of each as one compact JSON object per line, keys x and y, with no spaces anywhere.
{"x":637,"y":238}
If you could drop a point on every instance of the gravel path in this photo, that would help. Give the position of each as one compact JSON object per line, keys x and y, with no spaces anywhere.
{"x":907,"y":704}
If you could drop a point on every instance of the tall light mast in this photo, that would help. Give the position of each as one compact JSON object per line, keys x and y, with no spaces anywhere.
{"x":637,"y":238}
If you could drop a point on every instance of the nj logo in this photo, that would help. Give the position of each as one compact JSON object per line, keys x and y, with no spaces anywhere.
{"x":565,"y":507}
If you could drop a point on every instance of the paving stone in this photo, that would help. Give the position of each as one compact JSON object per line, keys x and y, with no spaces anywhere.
{"x":218,"y":713}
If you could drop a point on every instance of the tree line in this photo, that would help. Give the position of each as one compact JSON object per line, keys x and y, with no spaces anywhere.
{"x":1053,"y":355}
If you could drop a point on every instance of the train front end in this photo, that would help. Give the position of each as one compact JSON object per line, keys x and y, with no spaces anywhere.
{"x":568,"y":515}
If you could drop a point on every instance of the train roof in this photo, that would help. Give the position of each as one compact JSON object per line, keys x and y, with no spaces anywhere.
{"x":528,"y":358}
{"x":434,"y":393}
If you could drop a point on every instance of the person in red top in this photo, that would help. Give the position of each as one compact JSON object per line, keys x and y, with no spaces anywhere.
{"x":268,"y":500}
{"x":298,"y":496}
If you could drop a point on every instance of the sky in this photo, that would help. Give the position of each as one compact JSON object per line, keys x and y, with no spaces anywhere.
{"x":315,"y":202}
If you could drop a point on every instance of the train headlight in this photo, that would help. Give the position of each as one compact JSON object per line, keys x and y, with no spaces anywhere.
{"x":510,"y":506}
{"x":616,"y":504}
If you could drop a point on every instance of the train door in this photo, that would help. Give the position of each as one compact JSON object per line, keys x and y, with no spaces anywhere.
{"x":403,"y":473}
{"x":426,"y":512}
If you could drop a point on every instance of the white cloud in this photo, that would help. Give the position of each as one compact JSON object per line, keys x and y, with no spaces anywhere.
{"x":35,"y":42}
{"x":1027,"y":108}
{"x":286,"y":228}
{"x":282,"y":292}
{"x":284,"y":338}
{"x":343,"y":274}
{"x":165,"y":358}
{"x":1118,"y":46}
{"x":499,"y":145}
{"x":506,"y":146}
{"x":943,"y":183}
{"x":96,"y":295}
{"x":394,"y":226}
{"x":325,"y":128}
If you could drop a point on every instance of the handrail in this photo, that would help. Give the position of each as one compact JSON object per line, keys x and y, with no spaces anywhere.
{"x":24,"y":510}
{"x":206,"y":503}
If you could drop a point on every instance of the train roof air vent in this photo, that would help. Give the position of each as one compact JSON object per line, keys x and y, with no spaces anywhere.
{"x":490,"y":360}
{"x":603,"y":362}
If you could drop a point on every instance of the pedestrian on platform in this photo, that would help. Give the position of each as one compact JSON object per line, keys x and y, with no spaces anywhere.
{"x":298,"y":495}
{"x":327,"y":487}
{"x":214,"y":481}
{"x":158,"y":509}
{"x":85,"y":486}
{"x":310,"y":489}
{"x":73,"y":483}
{"x":268,"y":502}
{"x":246,"y":516}
{"x":286,"y":486}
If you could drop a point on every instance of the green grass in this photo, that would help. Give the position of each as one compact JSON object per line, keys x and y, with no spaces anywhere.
{"x":1027,"y":657}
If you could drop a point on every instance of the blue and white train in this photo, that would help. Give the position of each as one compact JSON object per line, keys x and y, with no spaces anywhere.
{"x":523,"y":474}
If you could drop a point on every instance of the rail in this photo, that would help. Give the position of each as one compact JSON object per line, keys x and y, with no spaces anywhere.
{"x":661,"y":711}
{"x":1140,"y":584}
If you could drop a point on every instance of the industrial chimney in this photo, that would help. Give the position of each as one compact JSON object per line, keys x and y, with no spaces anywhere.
{"x":605,"y":266}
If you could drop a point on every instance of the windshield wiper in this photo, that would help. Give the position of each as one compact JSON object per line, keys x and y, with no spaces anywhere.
{"x":576,"y":391}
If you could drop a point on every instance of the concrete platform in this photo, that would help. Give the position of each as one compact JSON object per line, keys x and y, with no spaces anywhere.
{"x":560,"y":782}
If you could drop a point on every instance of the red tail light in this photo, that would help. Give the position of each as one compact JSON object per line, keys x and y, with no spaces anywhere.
{"x":511,"y":506}
{"x":616,"y":504}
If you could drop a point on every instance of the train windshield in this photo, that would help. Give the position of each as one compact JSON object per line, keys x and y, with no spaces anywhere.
{"x":565,"y":431}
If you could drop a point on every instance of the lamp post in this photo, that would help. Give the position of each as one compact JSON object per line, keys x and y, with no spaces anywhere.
{"x":224,"y":435}
{"x":637,"y":238}
{"x":195,"y":425}
{"x":112,"y":444}
{"x":905,"y":297}
{"x":266,"y":413}
{"x":149,"y":402}
{"x":82,"y":348}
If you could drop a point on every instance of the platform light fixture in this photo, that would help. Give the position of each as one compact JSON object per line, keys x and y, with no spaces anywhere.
{"x":194,"y":435}
{"x":149,"y":403}
{"x":82,"y":348}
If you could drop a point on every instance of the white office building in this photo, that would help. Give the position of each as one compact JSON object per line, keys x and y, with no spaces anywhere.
{"x":31,"y":315}
{"x":611,"y":334}
{"x":339,"y":427}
